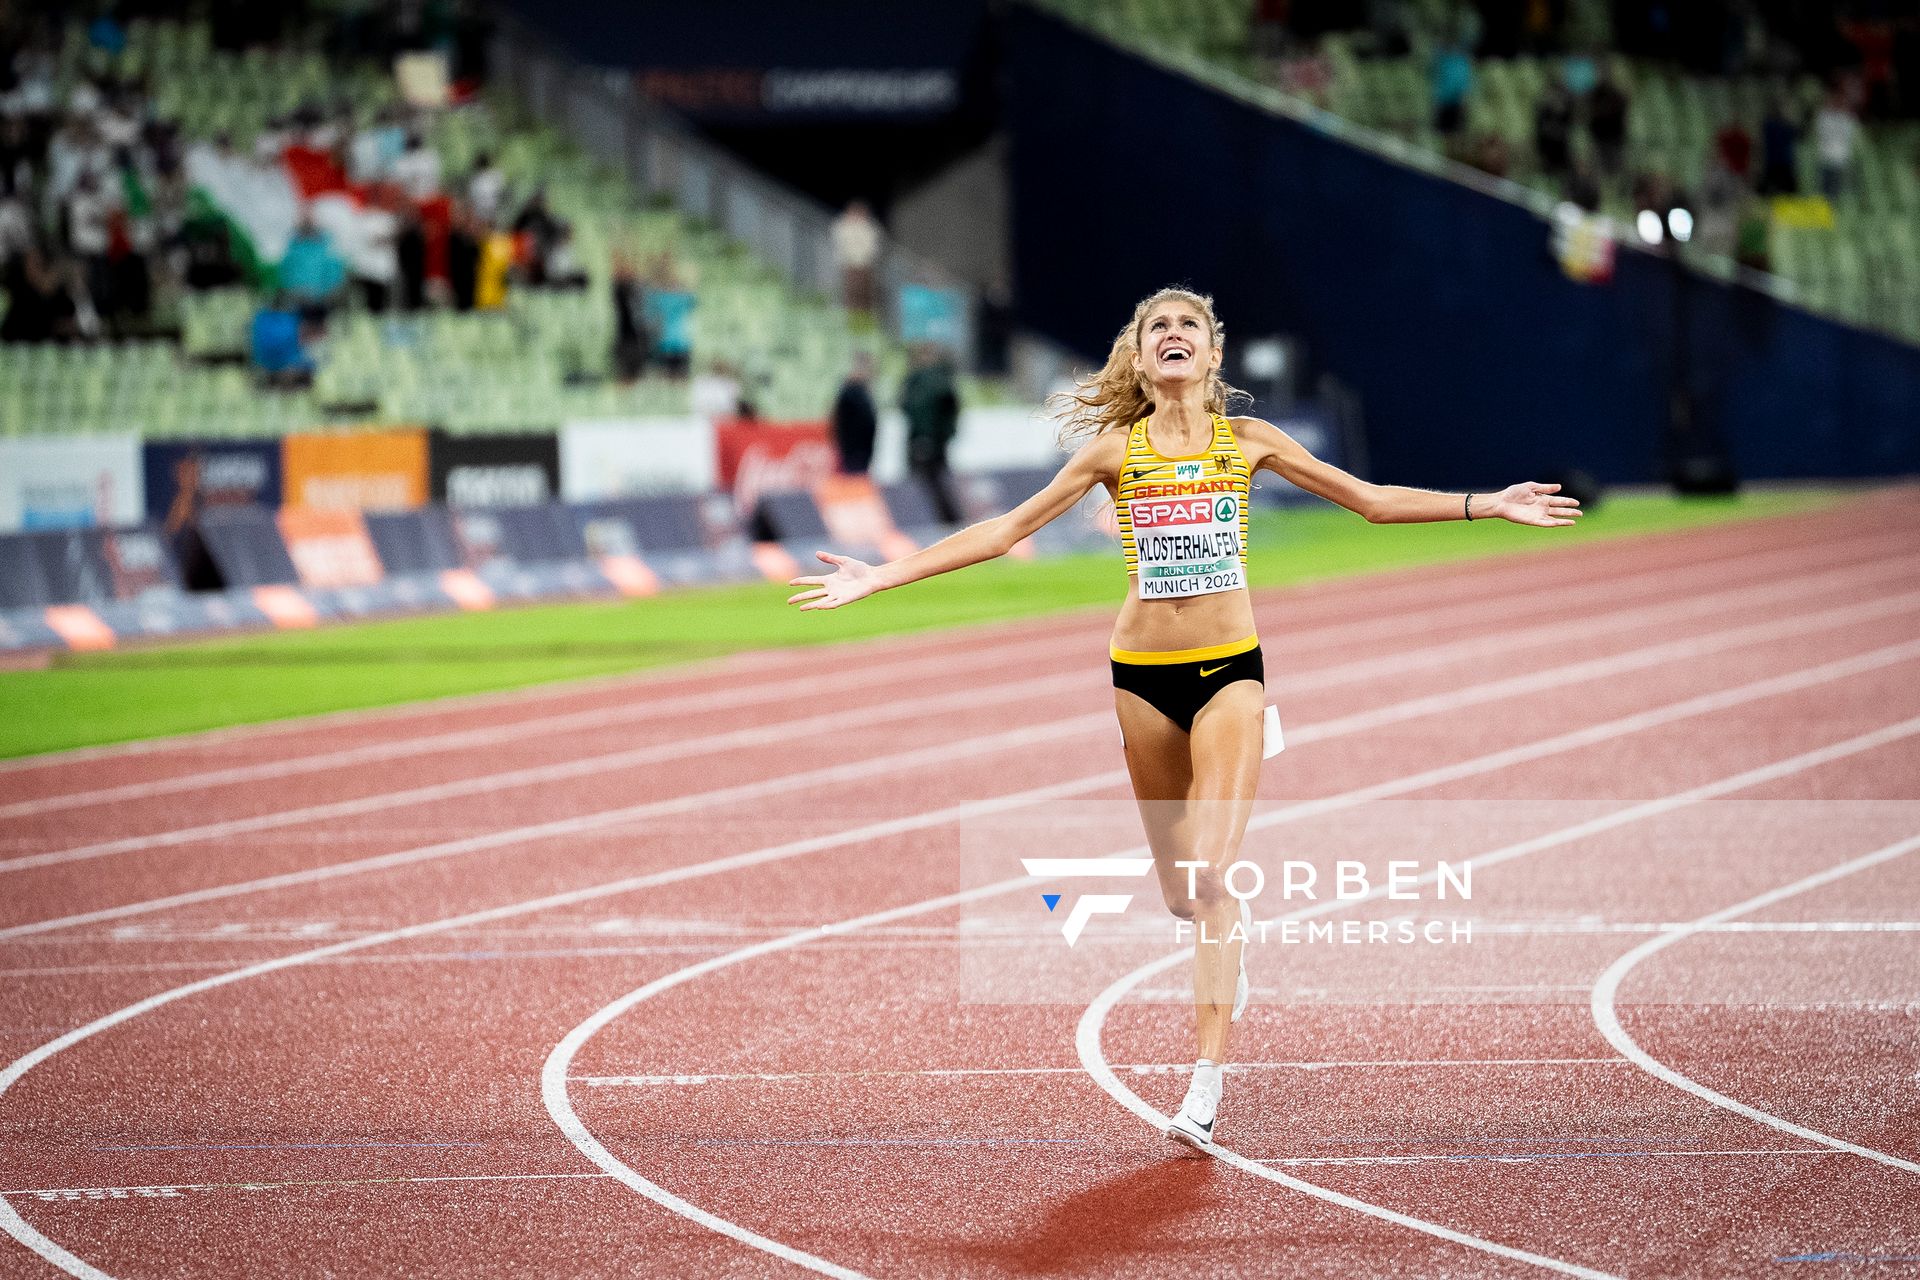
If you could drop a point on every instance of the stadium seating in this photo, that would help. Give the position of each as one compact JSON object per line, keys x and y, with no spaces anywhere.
{"x":1863,"y":268}
{"x":542,"y":359}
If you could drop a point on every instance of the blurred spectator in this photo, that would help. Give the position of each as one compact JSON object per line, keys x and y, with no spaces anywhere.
{"x":1733,"y":146}
{"x":1270,"y":27}
{"x":1779,"y":150}
{"x":496,"y":261}
{"x":1607,"y":109}
{"x":854,"y":417}
{"x":410,"y":253}
{"x":278,"y":344}
{"x":1450,"y":80}
{"x":931,"y":401}
{"x":1553,"y":130}
{"x":463,"y":260}
{"x":1579,"y":74}
{"x":417,"y":169}
{"x":17,"y":151}
{"x":1491,"y":155}
{"x":1308,"y":74}
{"x":87,"y":211}
{"x":1723,"y":193}
{"x":16,"y":222}
{"x":376,"y":258}
{"x":74,"y":149}
{"x":1582,"y":186}
{"x":1836,"y":131}
{"x":209,"y":253}
{"x":856,"y":248}
{"x":198,"y":572}
{"x":631,"y":346}
{"x":563,"y":267}
{"x":374,"y":149}
{"x":539,"y":229}
{"x":716,"y":393}
{"x":486,"y":189}
{"x":40,"y":307}
{"x":1391,"y":27}
{"x":669,"y":314}
{"x":311,"y":273}
{"x":1754,"y":247}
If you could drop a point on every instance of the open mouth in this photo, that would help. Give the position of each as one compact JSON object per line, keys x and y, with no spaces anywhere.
{"x":1175,"y":355}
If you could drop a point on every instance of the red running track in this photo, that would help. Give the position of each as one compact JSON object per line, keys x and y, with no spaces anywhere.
{"x":544,"y":983}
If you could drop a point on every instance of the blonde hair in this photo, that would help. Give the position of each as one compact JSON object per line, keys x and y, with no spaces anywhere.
{"x":1116,"y":396}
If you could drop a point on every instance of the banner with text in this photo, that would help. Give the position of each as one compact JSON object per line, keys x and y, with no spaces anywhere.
{"x":67,"y":483}
{"x":217,"y":472}
{"x":495,"y":471}
{"x":636,"y":457}
{"x":329,"y":546}
{"x":753,"y":458}
{"x":360,"y":471}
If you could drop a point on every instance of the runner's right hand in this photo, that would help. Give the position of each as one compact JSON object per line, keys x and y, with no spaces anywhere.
{"x":850,"y":580}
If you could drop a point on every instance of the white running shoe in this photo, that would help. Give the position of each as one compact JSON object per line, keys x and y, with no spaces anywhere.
{"x":1193,"y":1126}
{"x":1240,"y":988}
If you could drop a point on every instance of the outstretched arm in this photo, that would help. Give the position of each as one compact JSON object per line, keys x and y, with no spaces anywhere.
{"x":852,"y":579}
{"x":1526,"y":503}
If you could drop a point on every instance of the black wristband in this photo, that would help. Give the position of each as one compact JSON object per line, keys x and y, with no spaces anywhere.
{"x":1469,"y":508}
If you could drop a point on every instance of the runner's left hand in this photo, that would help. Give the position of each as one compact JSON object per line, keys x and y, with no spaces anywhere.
{"x":850,"y":580}
{"x":1530,"y":503}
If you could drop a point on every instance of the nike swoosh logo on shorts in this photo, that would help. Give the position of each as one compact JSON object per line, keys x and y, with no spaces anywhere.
{"x":1204,"y":673}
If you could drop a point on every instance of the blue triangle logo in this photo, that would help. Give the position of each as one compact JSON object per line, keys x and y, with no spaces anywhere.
{"x":1051,"y":899}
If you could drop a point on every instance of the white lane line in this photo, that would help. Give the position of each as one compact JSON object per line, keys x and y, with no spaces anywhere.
{"x":1607,"y":990}
{"x":1550,"y":928}
{"x":1136,"y":1068}
{"x":1858,"y":576}
{"x":1534,"y":682}
{"x":1533,"y":1157}
{"x":555,"y":1074}
{"x":606,"y":819}
{"x":170,"y":1189}
{"x":1088,"y":1036}
{"x":578,"y":767}
{"x":21,"y":1230}
{"x":781,"y":688}
{"x":787,"y":690}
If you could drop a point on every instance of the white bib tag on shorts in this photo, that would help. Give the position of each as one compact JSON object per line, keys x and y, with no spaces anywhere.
{"x":1187,"y":544}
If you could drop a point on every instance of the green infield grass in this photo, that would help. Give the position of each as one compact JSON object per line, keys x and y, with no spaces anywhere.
{"x":143,"y":692}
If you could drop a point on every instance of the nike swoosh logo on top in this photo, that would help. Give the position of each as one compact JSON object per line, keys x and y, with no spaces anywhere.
{"x":1204,"y":672}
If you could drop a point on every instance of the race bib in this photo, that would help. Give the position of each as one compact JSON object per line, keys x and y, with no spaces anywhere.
{"x":1187,"y":544}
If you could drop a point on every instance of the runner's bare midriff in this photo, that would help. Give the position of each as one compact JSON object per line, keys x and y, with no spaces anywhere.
{"x":1158,"y":626}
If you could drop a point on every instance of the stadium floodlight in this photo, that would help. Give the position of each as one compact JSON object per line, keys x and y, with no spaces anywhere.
{"x":1680,"y":223}
{"x":1648,"y":225}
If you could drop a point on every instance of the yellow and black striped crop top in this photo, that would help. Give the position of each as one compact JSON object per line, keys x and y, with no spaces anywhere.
{"x":1183,"y":521}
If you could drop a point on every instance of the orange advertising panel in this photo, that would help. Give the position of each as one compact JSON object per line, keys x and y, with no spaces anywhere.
{"x":855,"y":516}
{"x":329,"y":546}
{"x":357,"y":471}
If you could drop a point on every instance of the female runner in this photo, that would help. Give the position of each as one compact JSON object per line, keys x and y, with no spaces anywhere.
{"x":1187,"y":673}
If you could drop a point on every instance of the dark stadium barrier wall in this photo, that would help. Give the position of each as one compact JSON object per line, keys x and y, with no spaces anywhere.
{"x":494,"y":470}
{"x":299,"y":567}
{"x":64,"y":566}
{"x":1476,"y":359}
{"x":247,"y":547}
{"x":223,"y":472}
{"x":415,"y":542}
{"x":683,"y":538}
